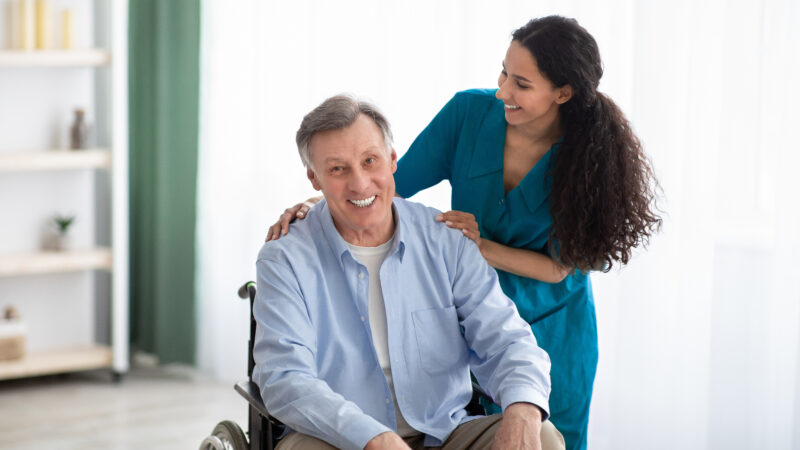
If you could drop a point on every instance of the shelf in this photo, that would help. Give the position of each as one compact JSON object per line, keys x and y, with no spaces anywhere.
{"x":55,"y":58}
{"x":57,"y":361}
{"x":55,"y":160}
{"x":15,"y":264}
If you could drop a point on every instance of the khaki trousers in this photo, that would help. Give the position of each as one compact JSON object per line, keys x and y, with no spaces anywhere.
{"x":476,"y":434}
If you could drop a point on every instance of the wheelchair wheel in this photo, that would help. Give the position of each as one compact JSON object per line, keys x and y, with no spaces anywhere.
{"x":226,"y":436}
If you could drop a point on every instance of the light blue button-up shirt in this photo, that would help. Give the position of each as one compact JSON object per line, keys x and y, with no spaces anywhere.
{"x":316,"y":364}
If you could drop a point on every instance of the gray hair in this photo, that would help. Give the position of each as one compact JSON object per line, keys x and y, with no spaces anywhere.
{"x":337,"y":113}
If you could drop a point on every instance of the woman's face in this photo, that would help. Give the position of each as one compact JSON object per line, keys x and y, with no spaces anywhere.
{"x":529,"y":98}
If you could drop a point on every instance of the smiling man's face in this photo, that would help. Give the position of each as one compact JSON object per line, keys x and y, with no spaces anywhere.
{"x":354,"y":171}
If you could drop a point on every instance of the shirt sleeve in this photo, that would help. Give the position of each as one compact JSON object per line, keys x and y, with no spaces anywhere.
{"x":505,"y":358}
{"x":286,"y":371}
{"x":429,"y":160}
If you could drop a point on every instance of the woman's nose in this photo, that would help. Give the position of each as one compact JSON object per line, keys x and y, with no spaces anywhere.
{"x":502,"y":92}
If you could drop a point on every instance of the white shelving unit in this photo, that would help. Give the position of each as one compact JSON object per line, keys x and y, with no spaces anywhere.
{"x":33,"y":269}
{"x":55,"y":58}
{"x":54,"y":160}
{"x":44,"y":262}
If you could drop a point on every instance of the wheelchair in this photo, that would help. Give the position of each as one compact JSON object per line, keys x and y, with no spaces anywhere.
{"x":265,"y":431}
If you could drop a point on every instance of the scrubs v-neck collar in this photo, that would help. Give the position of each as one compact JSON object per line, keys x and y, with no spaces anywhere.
{"x":534,"y":187}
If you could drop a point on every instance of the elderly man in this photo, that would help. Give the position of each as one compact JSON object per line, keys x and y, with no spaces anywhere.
{"x":371,"y":314}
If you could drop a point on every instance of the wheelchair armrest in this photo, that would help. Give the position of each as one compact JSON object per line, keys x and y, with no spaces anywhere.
{"x":474,"y":408}
{"x":251,"y":393}
{"x":476,"y":388}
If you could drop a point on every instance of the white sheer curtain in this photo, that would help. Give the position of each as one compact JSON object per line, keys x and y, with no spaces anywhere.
{"x":699,"y":341}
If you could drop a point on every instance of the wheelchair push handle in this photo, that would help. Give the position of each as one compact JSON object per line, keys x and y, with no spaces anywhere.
{"x":248,"y":290}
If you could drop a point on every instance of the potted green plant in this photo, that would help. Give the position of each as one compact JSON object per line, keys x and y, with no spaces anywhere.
{"x":61,"y":238}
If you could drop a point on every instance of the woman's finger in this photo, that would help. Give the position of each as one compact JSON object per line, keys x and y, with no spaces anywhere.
{"x":461,"y":219}
{"x":273,"y":232}
{"x":472,"y":235}
{"x":454,"y":215}
{"x":303,"y":209}
{"x":298,"y":211}
{"x":458,"y":221}
{"x":460,"y":224}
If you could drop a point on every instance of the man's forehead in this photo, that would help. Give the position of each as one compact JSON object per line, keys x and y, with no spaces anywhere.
{"x":360,"y":137}
{"x":336,"y":153}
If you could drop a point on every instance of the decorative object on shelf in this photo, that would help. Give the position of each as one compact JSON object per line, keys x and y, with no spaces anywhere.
{"x":12,"y":335}
{"x":43,"y":25}
{"x":79,"y":131}
{"x":26,"y":25}
{"x":67,"y":34}
{"x":59,"y":241}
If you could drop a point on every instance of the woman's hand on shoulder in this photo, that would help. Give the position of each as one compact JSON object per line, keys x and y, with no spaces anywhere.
{"x":298,"y":211}
{"x":463,"y":221}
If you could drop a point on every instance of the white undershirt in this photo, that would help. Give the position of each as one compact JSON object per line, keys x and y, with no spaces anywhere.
{"x":372,"y":258}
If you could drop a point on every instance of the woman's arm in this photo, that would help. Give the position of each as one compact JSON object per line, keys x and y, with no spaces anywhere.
{"x":526,"y":263}
{"x":522,"y":262}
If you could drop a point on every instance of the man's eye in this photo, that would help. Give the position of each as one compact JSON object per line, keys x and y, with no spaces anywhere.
{"x":336,"y":169}
{"x":369,"y":160}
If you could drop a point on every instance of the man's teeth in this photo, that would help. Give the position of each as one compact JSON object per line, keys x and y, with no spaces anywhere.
{"x":363,"y":203}
{"x":511,"y":107}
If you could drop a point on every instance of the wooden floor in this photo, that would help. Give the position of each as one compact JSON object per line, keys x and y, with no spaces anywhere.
{"x":152,"y":408}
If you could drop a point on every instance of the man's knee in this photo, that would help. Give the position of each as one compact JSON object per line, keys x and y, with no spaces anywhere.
{"x":300,"y":441}
{"x":551,"y":437}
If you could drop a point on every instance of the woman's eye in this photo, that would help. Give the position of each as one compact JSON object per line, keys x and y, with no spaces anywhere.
{"x":522,"y":86}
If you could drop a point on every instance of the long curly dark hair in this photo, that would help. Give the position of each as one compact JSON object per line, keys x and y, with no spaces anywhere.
{"x":603,"y":186}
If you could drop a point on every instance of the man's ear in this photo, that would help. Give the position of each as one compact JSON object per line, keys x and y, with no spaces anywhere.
{"x":394,"y":160}
{"x":564,"y":94}
{"x":313,"y":178}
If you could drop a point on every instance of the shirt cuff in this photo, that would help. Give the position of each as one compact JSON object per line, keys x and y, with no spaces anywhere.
{"x":525,"y":394}
{"x":359,"y":432}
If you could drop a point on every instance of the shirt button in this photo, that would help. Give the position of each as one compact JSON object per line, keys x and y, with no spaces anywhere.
{"x":360,"y":274}
{"x":501,"y":202}
{"x":388,"y":401}
{"x":363,"y":319}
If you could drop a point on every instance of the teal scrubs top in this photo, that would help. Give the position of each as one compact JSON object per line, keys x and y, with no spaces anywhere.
{"x":464,"y":144}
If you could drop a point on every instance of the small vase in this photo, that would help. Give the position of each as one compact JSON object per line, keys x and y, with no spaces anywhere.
{"x":79,"y":132}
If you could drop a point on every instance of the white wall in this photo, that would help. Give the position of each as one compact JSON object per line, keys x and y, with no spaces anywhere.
{"x":699,"y":344}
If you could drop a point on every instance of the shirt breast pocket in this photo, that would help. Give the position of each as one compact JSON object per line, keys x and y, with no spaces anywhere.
{"x":439,"y":340}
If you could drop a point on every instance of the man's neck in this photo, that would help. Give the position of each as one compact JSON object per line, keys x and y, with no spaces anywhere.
{"x":368,"y":238}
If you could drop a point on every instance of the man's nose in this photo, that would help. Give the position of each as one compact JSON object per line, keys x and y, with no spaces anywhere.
{"x":358,"y":181}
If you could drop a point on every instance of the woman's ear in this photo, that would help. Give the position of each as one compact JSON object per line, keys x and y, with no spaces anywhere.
{"x":564,"y":94}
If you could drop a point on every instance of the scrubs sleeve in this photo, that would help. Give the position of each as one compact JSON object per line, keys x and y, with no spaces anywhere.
{"x":429,"y":160}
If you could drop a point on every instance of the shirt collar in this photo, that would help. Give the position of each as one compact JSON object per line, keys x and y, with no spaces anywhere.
{"x":339,"y":246}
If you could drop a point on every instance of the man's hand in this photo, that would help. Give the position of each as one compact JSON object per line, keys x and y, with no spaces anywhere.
{"x":387,"y":440}
{"x":520,"y":428}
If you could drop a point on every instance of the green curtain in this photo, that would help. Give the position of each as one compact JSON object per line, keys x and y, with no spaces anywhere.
{"x":164,"y":45}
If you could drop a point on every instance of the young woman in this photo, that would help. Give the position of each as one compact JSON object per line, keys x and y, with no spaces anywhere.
{"x":550,"y":182}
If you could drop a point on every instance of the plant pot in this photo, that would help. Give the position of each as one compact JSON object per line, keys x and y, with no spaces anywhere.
{"x":58,"y":242}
